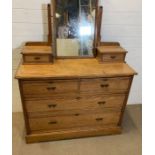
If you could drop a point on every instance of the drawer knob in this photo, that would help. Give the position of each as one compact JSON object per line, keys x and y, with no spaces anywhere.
{"x":52,"y":122}
{"x":102,"y":102}
{"x":37,"y":58}
{"x":52,"y":105}
{"x":104,"y":85}
{"x":78,"y":98}
{"x":76,"y":114}
{"x":51,"y":88}
{"x":113,"y":57}
{"x":99,"y":119}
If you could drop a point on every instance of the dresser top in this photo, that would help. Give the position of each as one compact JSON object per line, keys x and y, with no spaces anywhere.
{"x":111,"y":49}
{"x":37,"y":50}
{"x":73,"y":68}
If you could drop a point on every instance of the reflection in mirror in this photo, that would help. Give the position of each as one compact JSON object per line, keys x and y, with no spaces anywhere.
{"x":75,"y":24}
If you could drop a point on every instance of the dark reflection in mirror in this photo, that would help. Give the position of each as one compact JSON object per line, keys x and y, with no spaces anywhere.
{"x":75,"y":23}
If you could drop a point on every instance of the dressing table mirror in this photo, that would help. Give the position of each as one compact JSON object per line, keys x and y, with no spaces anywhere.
{"x":74,"y":85}
{"x":75,"y":27}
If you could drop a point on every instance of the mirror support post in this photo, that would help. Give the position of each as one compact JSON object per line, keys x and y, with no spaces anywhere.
{"x":53,"y":6}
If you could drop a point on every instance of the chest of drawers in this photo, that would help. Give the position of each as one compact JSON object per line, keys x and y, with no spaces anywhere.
{"x":73,"y":98}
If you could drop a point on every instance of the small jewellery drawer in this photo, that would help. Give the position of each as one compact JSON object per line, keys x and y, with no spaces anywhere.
{"x":37,"y":58}
{"x":74,"y":102}
{"x":111,"y":54}
{"x":105,"y":84}
{"x":76,"y":120}
{"x":109,"y":57}
{"x":48,"y":87}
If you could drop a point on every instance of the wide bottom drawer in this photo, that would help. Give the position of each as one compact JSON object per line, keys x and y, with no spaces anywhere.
{"x":76,"y":120}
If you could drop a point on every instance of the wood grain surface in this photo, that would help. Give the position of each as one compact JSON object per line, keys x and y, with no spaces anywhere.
{"x":71,"y":68}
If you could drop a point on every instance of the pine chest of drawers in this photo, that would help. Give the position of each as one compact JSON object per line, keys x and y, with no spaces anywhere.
{"x":73,"y":98}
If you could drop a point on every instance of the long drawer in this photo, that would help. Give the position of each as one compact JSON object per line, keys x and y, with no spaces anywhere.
{"x":82,"y":101}
{"x":119,"y":84}
{"x":49,"y":87}
{"x":79,"y":120}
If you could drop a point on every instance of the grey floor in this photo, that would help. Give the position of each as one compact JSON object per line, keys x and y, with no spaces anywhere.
{"x":128,"y":143}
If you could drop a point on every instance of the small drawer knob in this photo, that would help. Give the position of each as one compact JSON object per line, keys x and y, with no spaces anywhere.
{"x":37,"y":58}
{"x":51,"y":88}
{"x":99,"y":119}
{"x":52,"y":105}
{"x":52,"y":122}
{"x":76,"y":114}
{"x":113,"y":57}
{"x":102,"y":102}
{"x":78,"y":98}
{"x":104,"y":85}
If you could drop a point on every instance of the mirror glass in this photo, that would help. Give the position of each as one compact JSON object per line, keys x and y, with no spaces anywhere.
{"x":75,"y":24}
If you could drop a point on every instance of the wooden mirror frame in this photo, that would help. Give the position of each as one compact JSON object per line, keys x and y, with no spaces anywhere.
{"x":49,"y":42}
{"x":98,"y":18}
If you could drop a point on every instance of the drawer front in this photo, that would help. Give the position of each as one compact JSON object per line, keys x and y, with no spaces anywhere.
{"x":92,"y":101}
{"x":48,"y":88}
{"x":113,"y":57}
{"x":36,"y":58}
{"x":77,"y":120}
{"x":105,"y":84}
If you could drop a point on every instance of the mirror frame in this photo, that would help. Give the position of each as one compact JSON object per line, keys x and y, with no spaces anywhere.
{"x":97,"y":38}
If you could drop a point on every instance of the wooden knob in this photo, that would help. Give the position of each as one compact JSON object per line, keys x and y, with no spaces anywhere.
{"x":104,"y":85}
{"x":37,"y":58}
{"x":51,"y":88}
{"x":102,"y":102}
{"x":78,"y":98}
{"x":99,"y":119}
{"x":52,"y":105}
{"x":113,"y":57}
{"x":52,"y":122}
{"x":76,"y":114}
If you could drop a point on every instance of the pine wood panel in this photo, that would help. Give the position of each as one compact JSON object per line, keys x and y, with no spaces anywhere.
{"x":74,"y":68}
{"x":37,"y":58}
{"x":87,"y":101}
{"x":105,"y":84}
{"x":37,"y":50}
{"x":77,"y":132}
{"x":49,"y":87}
{"x":111,"y":49}
{"x":112,"y":58}
{"x":77,"y":120}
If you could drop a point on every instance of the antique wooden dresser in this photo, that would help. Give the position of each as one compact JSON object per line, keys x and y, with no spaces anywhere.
{"x":66,"y":98}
